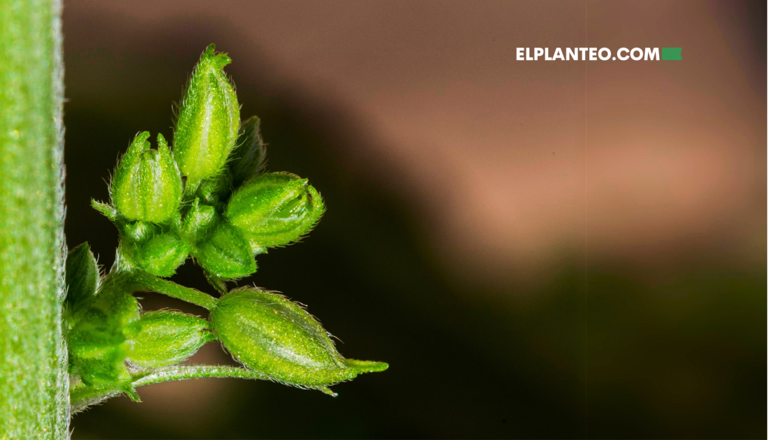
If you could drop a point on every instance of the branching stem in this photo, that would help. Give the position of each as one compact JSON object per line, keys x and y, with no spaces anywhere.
{"x":83,"y":396}
{"x":138,"y":281}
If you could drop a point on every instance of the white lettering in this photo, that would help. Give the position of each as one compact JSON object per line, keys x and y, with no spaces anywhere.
{"x":625,"y":57}
{"x":652,"y":53}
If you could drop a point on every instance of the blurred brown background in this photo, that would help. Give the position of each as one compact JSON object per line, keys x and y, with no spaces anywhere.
{"x":539,"y":249}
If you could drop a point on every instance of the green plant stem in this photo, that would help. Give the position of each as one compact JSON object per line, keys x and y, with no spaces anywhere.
{"x":83,"y":396}
{"x":33,"y":380}
{"x":151,"y":282}
{"x":137,"y":281}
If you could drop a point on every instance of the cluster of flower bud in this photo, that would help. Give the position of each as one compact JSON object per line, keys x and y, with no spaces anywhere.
{"x":208,"y":197}
{"x":105,"y":328}
{"x":97,"y":316}
{"x":264,"y":331}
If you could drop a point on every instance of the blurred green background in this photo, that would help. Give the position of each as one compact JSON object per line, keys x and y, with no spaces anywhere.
{"x":639,"y":313}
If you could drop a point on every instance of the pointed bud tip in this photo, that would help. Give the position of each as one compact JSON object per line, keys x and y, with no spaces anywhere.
{"x":161,"y":142}
{"x":366,"y":366}
{"x":327,"y":391}
{"x":219,"y":60}
{"x":138,"y":145}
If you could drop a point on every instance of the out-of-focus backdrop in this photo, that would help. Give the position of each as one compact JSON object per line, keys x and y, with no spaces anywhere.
{"x":538,"y":249}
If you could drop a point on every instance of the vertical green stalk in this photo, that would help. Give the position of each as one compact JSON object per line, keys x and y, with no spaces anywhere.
{"x":33,"y":376}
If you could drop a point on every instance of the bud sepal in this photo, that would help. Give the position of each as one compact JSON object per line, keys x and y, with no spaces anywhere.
{"x":82,"y":277}
{"x":249,"y":157}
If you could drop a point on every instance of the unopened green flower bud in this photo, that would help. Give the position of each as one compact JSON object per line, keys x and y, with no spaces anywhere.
{"x":209,"y":119}
{"x":97,"y":343}
{"x":226,"y":254}
{"x":163,"y":253}
{"x":147,"y":184}
{"x":159,"y":255}
{"x":275,"y":209}
{"x":198,"y":222}
{"x":165,"y":338}
{"x":95,"y":335}
{"x":270,"y":334}
{"x":120,"y":306}
{"x":251,"y":152}
{"x":82,"y":275}
{"x":107,"y":369}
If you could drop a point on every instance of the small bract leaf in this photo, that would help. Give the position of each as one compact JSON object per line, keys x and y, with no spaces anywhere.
{"x":275,"y":209}
{"x":147,"y":184}
{"x":251,"y":152}
{"x":137,"y":232}
{"x":165,"y":338}
{"x":82,"y":276}
{"x":270,"y":334}
{"x":226,"y":254}
{"x":216,"y":189}
{"x":105,"y":209}
{"x":208,"y":121}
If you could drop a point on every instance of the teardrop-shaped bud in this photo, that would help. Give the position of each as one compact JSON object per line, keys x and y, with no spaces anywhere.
{"x":269,"y":333}
{"x":165,"y":338}
{"x":226,"y":254}
{"x":198,"y":222}
{"x":248,"y":158}
{"x":159,"y":255}
{"x":208,"y":121}
{"x":82,"y":275}
{"x":163,"y":253}
{"x":275,"y":209}
{"x":147,"y":184}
